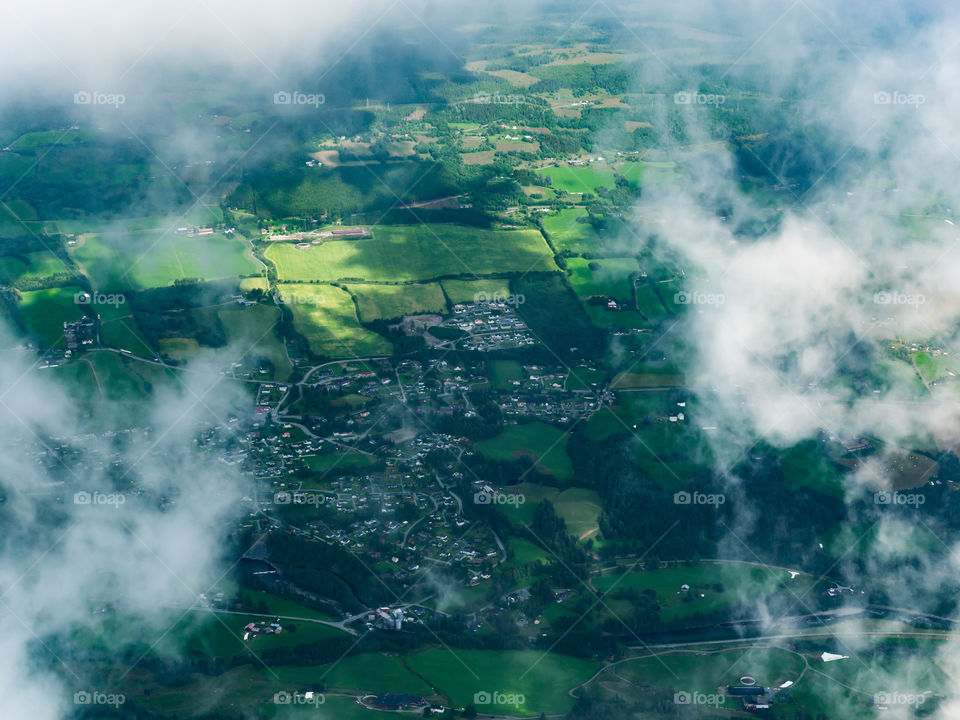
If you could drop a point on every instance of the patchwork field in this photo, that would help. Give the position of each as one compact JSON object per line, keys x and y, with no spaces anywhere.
{"x":326,"y":316}
{"x":415,"y":252}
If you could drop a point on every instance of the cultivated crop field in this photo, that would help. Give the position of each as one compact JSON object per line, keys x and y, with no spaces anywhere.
{"x":326,"y":316}
{"x":415,"y":252}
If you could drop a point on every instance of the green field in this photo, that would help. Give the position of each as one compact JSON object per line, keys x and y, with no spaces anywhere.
{"x":503,"y":373}
{"x":253,"y":331}
{"x":44,"y":311}
{"x":327,"y":318}
{"x":222,"y":635}
{"x":368,"y":672}
{"x":120,"y":330}
{"x":608,"y":277}
{"x":543,"y":679}
{"x":30,"y":267}
{"x":404,"y":253}
{"x":140,"y":259}
{"x":468,"y":291}
{"x":542,"y":444}
{"x":567,"y":234}
{"x":703,"y":672}
{"x":579,"y":179}
{"x":739,"y":582}
{"x":580,"y":508}
{"x":387,"y":302}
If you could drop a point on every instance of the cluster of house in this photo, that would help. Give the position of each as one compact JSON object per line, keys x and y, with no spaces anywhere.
{"x":252,"y":630}
{"x":490,"y":326}
{"x":81,"y":333}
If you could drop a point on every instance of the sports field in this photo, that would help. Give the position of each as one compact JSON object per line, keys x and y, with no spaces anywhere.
{"x":401,"y":253}
{"x":326,"y":316}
